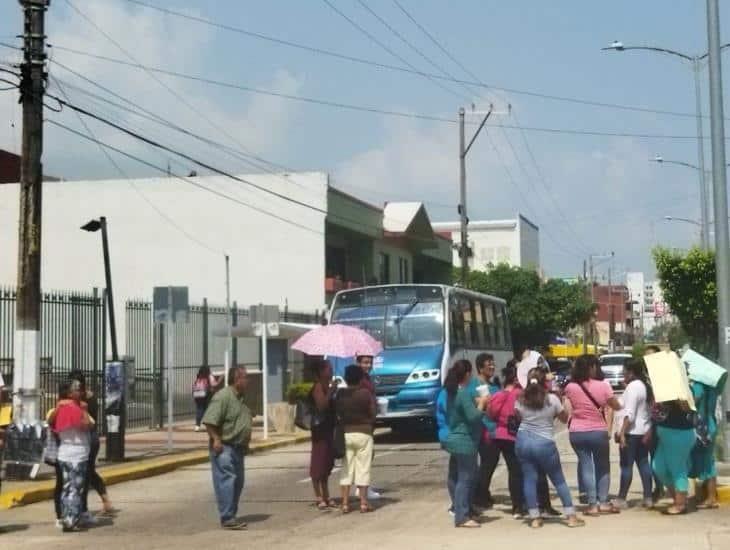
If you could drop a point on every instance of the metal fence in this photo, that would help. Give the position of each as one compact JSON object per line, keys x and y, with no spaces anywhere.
{"x":73,"y":337}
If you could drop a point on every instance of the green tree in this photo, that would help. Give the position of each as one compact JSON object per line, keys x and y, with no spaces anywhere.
{"x":688,"y":284}
{"x":537,"y":309}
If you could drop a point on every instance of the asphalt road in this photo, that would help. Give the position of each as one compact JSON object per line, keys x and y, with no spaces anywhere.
{"x":177,"y":511}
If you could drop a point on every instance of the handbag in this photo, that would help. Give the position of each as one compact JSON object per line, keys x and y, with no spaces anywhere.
{"x":702,"y":429}
{"x":513,"y":420}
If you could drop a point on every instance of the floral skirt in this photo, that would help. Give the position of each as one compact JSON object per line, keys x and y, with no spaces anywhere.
{"x":75,"y":476}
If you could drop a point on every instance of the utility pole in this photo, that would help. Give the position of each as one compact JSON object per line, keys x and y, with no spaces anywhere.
{"x":611,"y":326}
{"x":464,"y":243}
{"x":719,"y":184}
{"x":28,"y":305}
{"x":704,"y":203}
{"x":464,"y":251}
{"x":229,"y":344}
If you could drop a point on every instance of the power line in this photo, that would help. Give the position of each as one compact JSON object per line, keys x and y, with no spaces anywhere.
{"x":411,"y":46}
{"x":374,"y":39}
{"x":131,"y":182}
{"x":359,"y":60}
{"x":187,"y":157}
{"x":150,"y":73}
{"x":373,"y":110}
{"x":187,"y":180}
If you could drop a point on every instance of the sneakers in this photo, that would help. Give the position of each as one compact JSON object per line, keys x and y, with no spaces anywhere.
{"x":234,"y":525}
{"x":59,"y":524}
{"x":197,"y":428}
{"x":648,"y":503}
{"x":451,"y":511}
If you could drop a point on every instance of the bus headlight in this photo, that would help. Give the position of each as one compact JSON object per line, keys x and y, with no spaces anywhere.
{"x":424,"y":376}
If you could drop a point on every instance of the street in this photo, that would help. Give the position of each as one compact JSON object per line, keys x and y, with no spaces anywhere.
{"x":177,"y":510}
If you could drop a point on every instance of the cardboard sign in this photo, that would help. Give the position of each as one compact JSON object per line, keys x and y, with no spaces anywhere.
{"x":669,"y":379}
{"x":701,"y":369}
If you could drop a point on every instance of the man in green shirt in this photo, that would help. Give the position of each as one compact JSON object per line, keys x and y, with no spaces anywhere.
{"x":228,"y":422}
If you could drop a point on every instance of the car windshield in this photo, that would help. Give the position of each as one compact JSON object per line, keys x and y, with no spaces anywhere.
{"x":397,"y":325}
{"x":616,"y":360}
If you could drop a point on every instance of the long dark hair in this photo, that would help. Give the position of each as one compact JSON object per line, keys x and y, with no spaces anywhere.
{"x":582,"y":368}
{"x":456,"y":375}
{"x":203,"y":372}
{"x":638,"y":369}
{"x":534,"y":395}
{"x":509,"y":373}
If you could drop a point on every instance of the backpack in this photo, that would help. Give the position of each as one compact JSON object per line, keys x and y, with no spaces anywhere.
{"x":200,"y":388}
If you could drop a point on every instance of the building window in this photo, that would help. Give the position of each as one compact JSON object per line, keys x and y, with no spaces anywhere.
{"x":384,"y":268}
{"x":403,"y":271}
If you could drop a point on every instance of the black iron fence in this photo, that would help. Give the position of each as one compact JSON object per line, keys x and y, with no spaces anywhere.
{"x":73,"y":338}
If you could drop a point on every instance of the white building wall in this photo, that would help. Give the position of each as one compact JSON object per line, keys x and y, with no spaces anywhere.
{"x":272,"y":261}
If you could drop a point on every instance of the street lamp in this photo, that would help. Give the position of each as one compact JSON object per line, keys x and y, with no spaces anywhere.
{"x":696,"y":61}
{"x":92,"y":227}
{"x":685,"y":220}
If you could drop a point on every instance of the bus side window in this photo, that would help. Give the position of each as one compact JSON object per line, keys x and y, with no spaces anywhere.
{"x":499,"y":343}
{"x":489,"y":325}
{"x":478,"y":324}
{"x":457,"y":324}
{"x":467,"y":315}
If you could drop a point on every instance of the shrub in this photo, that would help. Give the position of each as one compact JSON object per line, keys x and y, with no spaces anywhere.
{"x":296,"y":392}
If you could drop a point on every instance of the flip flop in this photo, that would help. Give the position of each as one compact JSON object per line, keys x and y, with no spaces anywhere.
{"x":706,"y":506}
{"x":366,"y":509}
{"x":672,"y":511}
{"x":608,"y":511}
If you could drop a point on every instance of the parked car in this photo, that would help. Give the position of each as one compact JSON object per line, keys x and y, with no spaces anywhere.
{"x":612,"y":365}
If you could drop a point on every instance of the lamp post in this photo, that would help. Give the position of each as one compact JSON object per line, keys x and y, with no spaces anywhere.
{"x":93,"y":226}
{"x":696,"y":63}
{"x":114,"y":373}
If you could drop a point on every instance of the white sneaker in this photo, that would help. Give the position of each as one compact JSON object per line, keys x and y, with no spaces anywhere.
{"x":88,"y":519}
{"x":59,"y":524}
{"x":197,"y":428}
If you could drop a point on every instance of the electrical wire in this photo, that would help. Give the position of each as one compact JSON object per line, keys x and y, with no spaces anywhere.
{"x":353,"y":59}
{"x":185,"y":179}
{"x":374,"y":39}
{"x":375,"y":110}
{"x":132,"y":183}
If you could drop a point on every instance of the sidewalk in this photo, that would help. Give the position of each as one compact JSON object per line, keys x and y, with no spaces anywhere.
{"x":146,"y":454}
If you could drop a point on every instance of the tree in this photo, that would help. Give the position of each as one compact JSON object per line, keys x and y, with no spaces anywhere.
{"x":537,"y":309}
{"x":688,"y":284}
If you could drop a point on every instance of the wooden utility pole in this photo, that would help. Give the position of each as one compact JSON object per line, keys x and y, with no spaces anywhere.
{"x":28,"y":305}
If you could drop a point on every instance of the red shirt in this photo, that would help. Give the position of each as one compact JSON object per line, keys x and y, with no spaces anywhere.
{"x":501,"y":407}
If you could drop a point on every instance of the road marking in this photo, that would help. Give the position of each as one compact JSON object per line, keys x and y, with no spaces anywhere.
{"x":390,"y":451}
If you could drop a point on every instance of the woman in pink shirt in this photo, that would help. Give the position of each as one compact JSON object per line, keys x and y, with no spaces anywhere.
{"x":501,"y":408}
{"x":590,"y":400}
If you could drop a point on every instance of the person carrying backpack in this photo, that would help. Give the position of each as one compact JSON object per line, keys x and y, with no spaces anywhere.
{"x":201,"y":394}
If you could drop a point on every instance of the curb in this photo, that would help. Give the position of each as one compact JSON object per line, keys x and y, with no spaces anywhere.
{"x":147,"y":468}
{"x":723,"y":494}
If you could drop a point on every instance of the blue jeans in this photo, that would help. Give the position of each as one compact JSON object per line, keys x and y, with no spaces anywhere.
{"x":593,"y":464}
{"x":228,"y":476}
{"x":200,"y":406}
{"x":462,"y":477}
{"x":635,"y":452}
{"x":538,"y":455}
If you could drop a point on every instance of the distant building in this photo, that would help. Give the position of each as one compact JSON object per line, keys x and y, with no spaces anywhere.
{"x":649,"y":309}
{"x":515,"y":242}
{"x":614,"y":319}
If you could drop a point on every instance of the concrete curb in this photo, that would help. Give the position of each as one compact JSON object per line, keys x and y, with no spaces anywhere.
{"x":112,"y":475}
{"x":723,"y":494}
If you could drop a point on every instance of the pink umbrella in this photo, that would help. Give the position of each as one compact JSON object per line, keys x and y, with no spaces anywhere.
{"x":338,"y":341}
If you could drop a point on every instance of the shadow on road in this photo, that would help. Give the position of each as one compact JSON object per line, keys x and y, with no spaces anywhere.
{"x":13,"y":528}
{"x":255,"y":518}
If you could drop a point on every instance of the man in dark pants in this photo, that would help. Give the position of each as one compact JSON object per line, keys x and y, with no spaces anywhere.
{"x":488,"y":450}
{"x":228,"y":422}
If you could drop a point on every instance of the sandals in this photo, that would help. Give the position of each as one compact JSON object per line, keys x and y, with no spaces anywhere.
{"x":574,"y":522}
{"x":708,"y":506}
{"x":536,"y":523}
{"x":469,"y":524}
{"x":345,"y":509}
{"x":674,"y":511}
{"x":366,"y":509}
{"x":323,"y":506}
{"x":611,"y":509}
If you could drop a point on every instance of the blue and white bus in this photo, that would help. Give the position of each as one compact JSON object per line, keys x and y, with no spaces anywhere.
{"x":423,"y":329}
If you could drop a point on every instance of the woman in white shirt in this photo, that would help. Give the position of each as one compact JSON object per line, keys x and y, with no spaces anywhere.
{"x":634,"y":435}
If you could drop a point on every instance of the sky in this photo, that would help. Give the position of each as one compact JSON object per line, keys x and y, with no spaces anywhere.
{"x":589,"y":194}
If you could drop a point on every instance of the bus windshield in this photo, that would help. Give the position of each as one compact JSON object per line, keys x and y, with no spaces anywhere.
{"x":406,"y":325}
